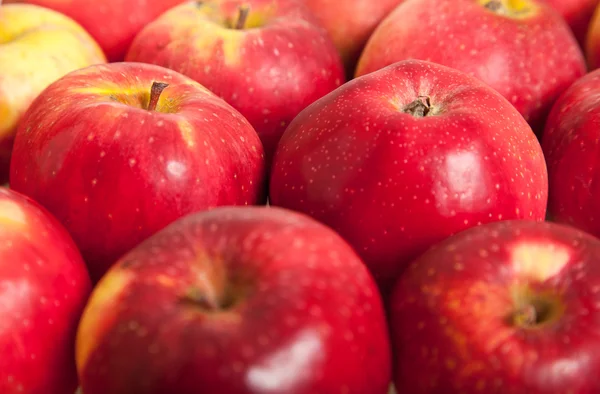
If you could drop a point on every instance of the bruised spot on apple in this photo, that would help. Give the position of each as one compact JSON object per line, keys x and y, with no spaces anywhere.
{"x":236,"y":300}
{"x":510,"y":306}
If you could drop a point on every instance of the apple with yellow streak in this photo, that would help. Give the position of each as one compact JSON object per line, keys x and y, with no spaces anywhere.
{"x":269,"y":59}
{"x":117,"y":151}
{"x":522,"y":48}
{"x":44,"y":287}
{"x":37,"y":47}
{"x":507,"y":307}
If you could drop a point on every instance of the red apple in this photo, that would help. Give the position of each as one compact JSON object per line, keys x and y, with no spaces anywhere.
{"x":509,"y":307}
{"x":350,"y":25}
{"x":571,"y":143}
{"x":115,"y":162}
{"x":577,"y":13}
{"x":44,"y":287}
{"x":267,"y":58}
{"x":113,"y":23}
{"x":523,"y":49}
{"x":236,"y":300}
{"x":402,"y":158}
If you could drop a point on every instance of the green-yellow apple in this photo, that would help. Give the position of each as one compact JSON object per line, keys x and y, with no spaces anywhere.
{"x":118,"y":151}
{"x":267,"y":58}
{"x":37,"y":46}
{"x":351,"y":24}
{"x":401,"y":158}
{"x":522,"y":48}
{"x":236,"y":300}
{"x":44,"y":287}
{"x":112,"y":23}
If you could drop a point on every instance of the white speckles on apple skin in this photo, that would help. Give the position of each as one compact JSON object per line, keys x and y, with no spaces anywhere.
{"x":392,"y":184}
{"x":280,"y":330}
{"x":529,"y":60}
{"x":488,"y":294}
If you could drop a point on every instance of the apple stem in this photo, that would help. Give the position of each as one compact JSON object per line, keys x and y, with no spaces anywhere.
{"x":493,"y":5}
{"x":526,"y":316}
{"x":199,"y":299}
{"x":155,"y":92}
{"x":419,"y":108}
{"x":244,"y":12}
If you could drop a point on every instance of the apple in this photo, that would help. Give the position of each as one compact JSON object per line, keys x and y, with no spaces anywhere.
{"x":570,"y":143}
{"x":236,"y":300}
{"x":592,"y":48}
{"x":118,"y":151}
{"x":508,"y":307}
{"x":399,"y":159}
{"x":523,"y":49}
{"x":351,"y":25}
{"x":37,"y":46}
{"x":269,"y":59}
{"x":44,"y":287}
{"x":577,"y":13}
{"x":113,"y":23}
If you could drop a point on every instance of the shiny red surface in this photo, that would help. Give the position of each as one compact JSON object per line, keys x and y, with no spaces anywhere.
{"x":43,"y":288}
{"x":393,"y":184}
{"x":303,"y":314}
{"x":114,"y":173}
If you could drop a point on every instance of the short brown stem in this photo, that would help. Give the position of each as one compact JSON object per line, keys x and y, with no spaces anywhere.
{"x":155,"y":92}
{"x":526,"y":316}
{"x":493,"y":5}
{"x":243,"y":13}
{"x":419,"y":108}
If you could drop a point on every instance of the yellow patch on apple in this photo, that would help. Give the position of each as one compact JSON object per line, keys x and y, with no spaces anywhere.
{"x":99,"y":312}
{"x":539,"y":261}
{"x":12,"y":216}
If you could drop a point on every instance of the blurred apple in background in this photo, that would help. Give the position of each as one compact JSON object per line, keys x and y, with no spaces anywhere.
{"x":577,"y":13}
{"x":37,"y":46}
{"x":400,"y":159}
{"x":508,"y":307}
{"x":523,"y":49}
{"x":351,"y":24}
{"x":118,"y":151}
{"x":44,"y":287}
{"x":571,"y":144}
{"x":236,"y":300}
{"x":592,"y":48}
{"x":113,"y":23}
{"x":267,"y":58}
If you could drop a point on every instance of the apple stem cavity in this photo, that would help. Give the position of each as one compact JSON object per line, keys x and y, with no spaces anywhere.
{"x":155,"y":92}
{"x":244,"y":12}
{"x":419,"y":108}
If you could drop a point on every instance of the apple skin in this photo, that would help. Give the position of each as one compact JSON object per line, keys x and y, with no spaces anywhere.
{"x":530,"y":58}
{"x":461,"y":317}
{"x":282,"y":62}
{"x":114,"y":173}
{"x":592,"y":45}
{"x":393,"y":184}
{"x":351,"y":25}
{"x":571,"y":144}
{"x":44,"y":287}
{"x":112,"y":23}
{"x":236,"y":300}
{"x":577,"y":13}
{"x":37,"y":46}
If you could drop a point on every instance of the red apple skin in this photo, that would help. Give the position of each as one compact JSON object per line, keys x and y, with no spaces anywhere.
{"x":351,"y":25}
{"x":113,"y":23}
{"x":44,"y":286}
{"x":577,"y":13}
{"x":530,"y":59}
{"x":393,"y":184}
{"x":269,"y":73}
{"x":453,"y":323}
{"x":114,"y":173}
{"x":283,"y":305}
{"x":571,"y":147}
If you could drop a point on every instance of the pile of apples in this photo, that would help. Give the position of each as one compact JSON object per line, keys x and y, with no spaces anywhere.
{"x":300,"y":196}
